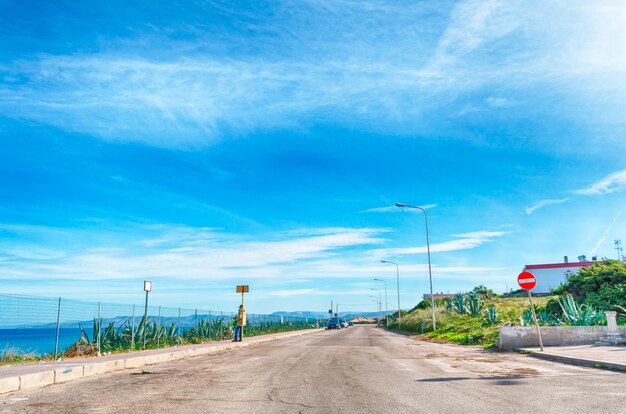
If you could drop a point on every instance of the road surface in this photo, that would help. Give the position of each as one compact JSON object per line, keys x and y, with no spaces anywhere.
{"x":362,"y":369}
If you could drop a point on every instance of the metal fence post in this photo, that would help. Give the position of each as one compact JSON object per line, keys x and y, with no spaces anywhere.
{"x":99,"y":324}
{"x":179,"y":322}
{"x":56,"y":341}
{"x":159,"y":329}
{"x":210,"y":325}
{"x":132,"y":331}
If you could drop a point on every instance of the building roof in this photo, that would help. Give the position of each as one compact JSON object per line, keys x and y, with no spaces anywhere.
{"x":559,"y":265}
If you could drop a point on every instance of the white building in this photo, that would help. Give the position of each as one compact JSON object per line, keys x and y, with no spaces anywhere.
{"x":550,"y":276}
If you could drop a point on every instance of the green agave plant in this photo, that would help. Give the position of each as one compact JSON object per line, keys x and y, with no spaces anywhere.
{"x":154,"y":334}
{"x":459,"y":303}
{"x":579,"y":315}
{"x":474,"y":304}
{"x":492,"y":315}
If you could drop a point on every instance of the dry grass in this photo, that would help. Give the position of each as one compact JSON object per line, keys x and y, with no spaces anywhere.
{"x":11,"y":355}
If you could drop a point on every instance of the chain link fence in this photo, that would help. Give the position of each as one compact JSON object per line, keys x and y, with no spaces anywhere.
{"x":44,"y":326}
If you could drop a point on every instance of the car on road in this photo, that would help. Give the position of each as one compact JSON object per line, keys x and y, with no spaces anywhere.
{"x":344,"y":324}
{"x":333,"y":323}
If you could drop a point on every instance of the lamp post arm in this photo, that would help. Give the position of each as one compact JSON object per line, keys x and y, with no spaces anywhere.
{"x":430,"y":272}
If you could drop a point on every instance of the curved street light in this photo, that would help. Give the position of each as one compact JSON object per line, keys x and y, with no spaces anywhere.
{"x":386,"y":309}
{"x":430,"y":273}
{"x":377,"y":301}
{"x":380,"y":305}
{"x":398,"y":283}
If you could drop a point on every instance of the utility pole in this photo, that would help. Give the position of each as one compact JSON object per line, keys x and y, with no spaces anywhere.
{"x":620,"y":251}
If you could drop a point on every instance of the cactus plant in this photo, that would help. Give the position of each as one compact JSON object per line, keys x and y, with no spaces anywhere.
{"x":579,"y":315}
{"x":459,"y":303}
{"x":492,"y":315}
{"x":474,"y":304}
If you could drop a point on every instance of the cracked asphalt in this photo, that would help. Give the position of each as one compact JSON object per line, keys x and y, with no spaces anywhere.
{"x":362,"y":369}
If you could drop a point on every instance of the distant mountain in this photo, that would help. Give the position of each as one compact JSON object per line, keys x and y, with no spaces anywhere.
{"x":186,"y":321}
{"x":324,"y":315}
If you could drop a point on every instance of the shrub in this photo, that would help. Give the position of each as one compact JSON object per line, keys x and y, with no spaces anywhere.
{"x":602,"y":285}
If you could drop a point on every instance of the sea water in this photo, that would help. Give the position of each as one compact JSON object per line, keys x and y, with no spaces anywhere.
{"x":37,"y":341}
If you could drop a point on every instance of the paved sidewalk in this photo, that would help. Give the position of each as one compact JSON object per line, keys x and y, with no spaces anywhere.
{"x":598,"y":356}
{"x":24,"y":376}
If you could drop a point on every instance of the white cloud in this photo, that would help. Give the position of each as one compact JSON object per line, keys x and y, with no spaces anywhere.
{"x":180,"y":252}
{"x":543,"y":203}
{"x":394,"y":209}
{"x":463,"y":241}
{"x":187,"y":255}
{"x":610,"y":184}
{"x":606,"y":233}
{"x":193,"y":98}
{"x":287,"y":293}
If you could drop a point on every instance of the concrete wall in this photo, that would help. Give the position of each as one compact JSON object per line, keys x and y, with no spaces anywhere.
{"x":512,"y":337}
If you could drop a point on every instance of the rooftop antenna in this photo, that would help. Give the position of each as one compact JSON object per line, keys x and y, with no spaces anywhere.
{"x":620,"y":251}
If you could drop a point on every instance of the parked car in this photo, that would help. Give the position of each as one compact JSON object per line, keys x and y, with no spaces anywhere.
{"x":344,"y":324}
{"x":333,"y":323}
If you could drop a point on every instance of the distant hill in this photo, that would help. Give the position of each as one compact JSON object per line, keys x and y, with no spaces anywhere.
{"x":324,"y":315}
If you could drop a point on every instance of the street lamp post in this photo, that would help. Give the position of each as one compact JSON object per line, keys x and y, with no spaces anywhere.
{"x":380,"y":305}
{"x":398,"y":285}
{"x":377,"y":302}
{"x":386,"y":304}
{"x":430,"y":273}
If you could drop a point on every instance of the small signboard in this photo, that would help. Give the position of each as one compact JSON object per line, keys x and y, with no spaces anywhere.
{"x":526,"y":281}
{"x":243,"y":288}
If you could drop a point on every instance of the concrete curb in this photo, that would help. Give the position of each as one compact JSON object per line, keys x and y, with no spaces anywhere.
{"x":584,"y":362}
{"x":52,"y":375}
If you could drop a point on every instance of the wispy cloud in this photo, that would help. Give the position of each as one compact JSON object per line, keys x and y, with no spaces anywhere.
{"x":463,"y":241}
{"x":394,"y":209}
{"x":543,"y":203}
{"x":184,"y":254}
{"x":192,"y":97}
{"x":602,"y":239}
{"x":287,"y":293}
{"x":178,"y":252}
{"x":610,"y":184}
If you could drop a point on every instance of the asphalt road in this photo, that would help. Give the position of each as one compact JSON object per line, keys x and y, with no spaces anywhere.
{"x":357,"y":370}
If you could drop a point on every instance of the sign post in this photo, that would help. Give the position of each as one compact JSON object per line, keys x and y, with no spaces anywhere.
{"x":147,"y":287}
{"x":527,"y":281}
{"x":242,"y":289}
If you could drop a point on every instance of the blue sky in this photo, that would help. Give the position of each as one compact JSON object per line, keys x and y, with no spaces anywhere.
{"x":203,"y":144}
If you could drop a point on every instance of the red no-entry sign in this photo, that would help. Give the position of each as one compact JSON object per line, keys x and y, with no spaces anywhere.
{"x":526,"y":280}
